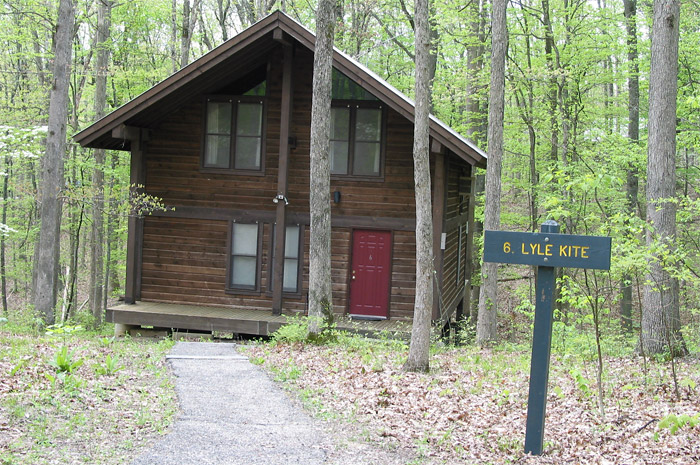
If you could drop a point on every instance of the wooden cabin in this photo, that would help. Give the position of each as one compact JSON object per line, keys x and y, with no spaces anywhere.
{"x":225,"y":142}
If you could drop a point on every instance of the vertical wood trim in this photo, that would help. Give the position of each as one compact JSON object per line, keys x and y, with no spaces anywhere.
{"x":470,"y":237}
{"x":439,"y":194}
{"x":282,"y":182}
{"x":134,"y":251}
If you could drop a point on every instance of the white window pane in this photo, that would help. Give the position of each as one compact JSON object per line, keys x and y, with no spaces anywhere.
{"x":249,"y":119}
{"x":340,"y":123}
{"x":248,"y":153}
{"x":368,"y":124}
{"x":289,"y":283}
{"x":339,"y":157}
{"x":217,"y":151}
{"x":245,"y":239}
{"x":243,"y":271}
{"x":366,"y":161}
{"x":218,"y":118}
{"x":291,"y":242}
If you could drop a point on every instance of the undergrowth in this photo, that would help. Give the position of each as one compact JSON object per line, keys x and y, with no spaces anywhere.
{"x":71,"y":395}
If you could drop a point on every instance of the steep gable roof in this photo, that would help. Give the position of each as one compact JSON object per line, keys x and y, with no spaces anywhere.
{"x":240,"y":53}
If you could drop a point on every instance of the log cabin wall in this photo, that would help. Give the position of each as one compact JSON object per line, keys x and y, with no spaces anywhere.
{"x":456,"y":266}
{"x":185,"y":251}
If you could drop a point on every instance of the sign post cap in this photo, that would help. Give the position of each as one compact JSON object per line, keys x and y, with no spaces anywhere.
{"x":550,"y":226}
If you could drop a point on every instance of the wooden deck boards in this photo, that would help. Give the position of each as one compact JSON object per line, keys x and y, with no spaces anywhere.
{"x":234,"y":319}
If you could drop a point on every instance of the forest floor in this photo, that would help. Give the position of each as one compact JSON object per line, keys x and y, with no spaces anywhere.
{"x":77,"y":397}
{"x":115,"y":397}
{"x":471,"y":407}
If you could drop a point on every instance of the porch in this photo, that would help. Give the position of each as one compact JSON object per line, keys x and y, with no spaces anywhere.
{"x":237,"y":320}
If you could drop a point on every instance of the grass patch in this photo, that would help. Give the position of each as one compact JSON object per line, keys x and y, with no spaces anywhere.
{"x":80,"y":397}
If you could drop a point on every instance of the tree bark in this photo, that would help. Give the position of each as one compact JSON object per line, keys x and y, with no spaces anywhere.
{"x":190,"y":14}
{"x":104,"y":20}
{"x":320,"y":295}
{"x":632,"y":185}
{"x":48,"y":246}
{"x":3,"y":264}
{"x":419,"y":350}
{"x":486,"y":321}
{"x":660,"y":312}
{"x":476,"y":128}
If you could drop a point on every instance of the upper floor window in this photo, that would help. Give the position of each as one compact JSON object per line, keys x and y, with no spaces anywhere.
{"x":356,"y":140}
{"x":356,"y":129}
{"x":234,"y":134}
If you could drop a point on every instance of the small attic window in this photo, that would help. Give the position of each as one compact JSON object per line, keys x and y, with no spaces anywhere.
{"x":257,"y":91}
{"x":346,"y":89}
{"x":252,"y":84}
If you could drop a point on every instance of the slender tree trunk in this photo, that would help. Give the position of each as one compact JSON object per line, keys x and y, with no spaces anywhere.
{"x":632,"y":185}
{"x":320,"y":293}
{"x":660,"y":312}
{"x":174,"y":62}
{"x":553,"y":86}
{"x":223,"y":9}
{"x":111,"y":278}
{"x":486,"y":321}
{"x":104,"y":21}
{"x":419,"y":350}
{"x":475,"y":130}
{"x":190,"y":14}
{"x":48,"y":246}
{"x":3,"y":264}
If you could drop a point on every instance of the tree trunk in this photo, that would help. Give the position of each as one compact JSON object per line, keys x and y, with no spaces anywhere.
{"x":419,"y":350}
{"x":190,"y":14}
{"x":174,"y":62}
{"x":104,"y":20}
{"x":48,"y":246}
{"x":660,"y":312}
{"x":111,"y":279}
{"x":3,"y":264}
{"x":320,"y":296}
{"x":486,"y":320}
{"x":475,"y":129}
{"x":632,"y":185}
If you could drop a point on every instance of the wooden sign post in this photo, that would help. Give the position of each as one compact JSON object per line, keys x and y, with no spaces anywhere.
{"x":547,"y":250}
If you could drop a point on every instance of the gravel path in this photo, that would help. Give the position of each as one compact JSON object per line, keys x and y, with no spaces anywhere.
{"x":232,"y":413}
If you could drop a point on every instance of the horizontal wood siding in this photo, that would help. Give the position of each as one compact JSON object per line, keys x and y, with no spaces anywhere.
{"x":453,"y":291}
{"x":184,"y":261}
{"x":185,"y":257}
{"x":403,"y":275}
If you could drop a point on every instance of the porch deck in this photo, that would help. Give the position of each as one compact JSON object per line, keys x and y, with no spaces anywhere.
{"x":234,"y":320}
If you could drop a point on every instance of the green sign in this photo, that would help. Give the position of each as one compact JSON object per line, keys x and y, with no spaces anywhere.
{"x":547,"y":249}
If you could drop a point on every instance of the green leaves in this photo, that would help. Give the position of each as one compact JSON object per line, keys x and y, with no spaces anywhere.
{"x":65,"y":361}
{"x":110,"y":366}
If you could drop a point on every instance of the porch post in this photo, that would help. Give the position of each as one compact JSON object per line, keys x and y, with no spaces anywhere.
{"x":137,"y":137}
{"x":439,"y":192}
{"x":282,"y":177}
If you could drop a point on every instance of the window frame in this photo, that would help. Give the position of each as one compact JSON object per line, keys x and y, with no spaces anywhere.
{"x":234,"y":101}
{"x":354,"y":105}
{"x":300,"y":260}
{"x":230,"y":288}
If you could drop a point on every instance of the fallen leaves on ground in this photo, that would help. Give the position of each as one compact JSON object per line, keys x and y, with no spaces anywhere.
{"x":472,"y":406}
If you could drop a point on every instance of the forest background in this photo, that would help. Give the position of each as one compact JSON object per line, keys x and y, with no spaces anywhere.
{"x":576,"y":106}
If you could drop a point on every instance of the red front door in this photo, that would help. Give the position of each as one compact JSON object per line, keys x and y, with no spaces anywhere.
{"x":370,"y":274}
